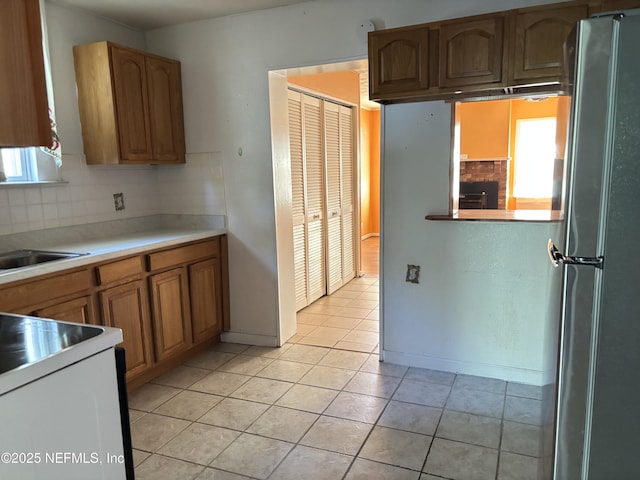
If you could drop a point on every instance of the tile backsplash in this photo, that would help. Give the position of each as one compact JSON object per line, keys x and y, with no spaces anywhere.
{"x":196,"y":188}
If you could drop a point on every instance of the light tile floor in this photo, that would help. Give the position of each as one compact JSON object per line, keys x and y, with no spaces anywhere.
{"x":348,"y":319}
{"x":323,"y":407}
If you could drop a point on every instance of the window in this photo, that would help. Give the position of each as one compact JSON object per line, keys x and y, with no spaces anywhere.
{"x":19,"y":164}
{"x":507,"y":154}
{"x":534,"y":157}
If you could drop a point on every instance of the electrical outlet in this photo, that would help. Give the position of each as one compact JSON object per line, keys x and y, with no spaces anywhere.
{"x":413,"y":274}
{"x":118,"y":201}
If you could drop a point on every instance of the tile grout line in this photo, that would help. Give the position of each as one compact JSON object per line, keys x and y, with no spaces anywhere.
{"x":272,"y":359}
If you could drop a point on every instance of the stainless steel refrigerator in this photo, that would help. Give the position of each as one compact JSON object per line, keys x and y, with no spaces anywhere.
{"x":597,"y":427}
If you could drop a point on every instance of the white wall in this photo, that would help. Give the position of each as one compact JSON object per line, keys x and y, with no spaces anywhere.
{"x":224,"y":66}
{"x":482,"y":304}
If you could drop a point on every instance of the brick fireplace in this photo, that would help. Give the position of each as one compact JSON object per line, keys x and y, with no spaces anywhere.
{"x":487,"y":171}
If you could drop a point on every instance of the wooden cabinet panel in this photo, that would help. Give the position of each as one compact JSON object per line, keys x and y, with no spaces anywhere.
{"x":125,"y":307}
{"x":205,"y":288}
{"x":79,"y":310}
{"x":170,"y":312}
{"x":132,"y":105}
{"x":399,"y":61}
{"x":165,"y":108}
{"x":185,"y":254}
{"x":538,"y":42}
{"x":23,"y":94}
{"x":96,"y":102}
{"x":615,"y":5}
{"x":117,"y":271}
{"x":41,"y":291}
{"x":471,"y":52}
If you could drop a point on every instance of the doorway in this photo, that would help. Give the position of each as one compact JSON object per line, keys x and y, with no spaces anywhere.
{"x":279,"y":82}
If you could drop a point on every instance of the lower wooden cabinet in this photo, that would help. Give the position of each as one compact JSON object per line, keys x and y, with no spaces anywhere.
{"x":78,"y":310}
{"x":170,"y":312}
{"x":205,"y":282}
{"x":126,"y":307}
{"x":169,"y":303}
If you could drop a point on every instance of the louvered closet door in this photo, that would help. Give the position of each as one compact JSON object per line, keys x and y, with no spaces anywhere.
{"x":322,"y":179}
{"x":334,"y":201}
{"x":347,"y":136}
{"x":314,"y":196}
{"x":298,"y":204}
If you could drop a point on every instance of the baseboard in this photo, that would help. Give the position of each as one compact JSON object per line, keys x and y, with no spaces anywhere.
{"x":510,"y":374}
{"x":369,"y":235}
{"x":249,"y":339}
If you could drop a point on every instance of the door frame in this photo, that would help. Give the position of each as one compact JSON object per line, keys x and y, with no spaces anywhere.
{"x":278,"y":103}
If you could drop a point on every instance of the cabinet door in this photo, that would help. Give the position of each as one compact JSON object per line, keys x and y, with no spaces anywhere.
{"x":471,"y":52}
{"x":205,"y":282}
{"x":79,"y":310}
{"x":165,"y":110}
{"x":398,"y":61}
{"x":132,"y":106}
{"x":23,"y":94}
{"x":170,"y":312}
{"x":538,"y":42}
{"x":125,"y":307}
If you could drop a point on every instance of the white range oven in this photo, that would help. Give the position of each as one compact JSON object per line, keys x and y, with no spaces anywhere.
{"x":63,"y":402}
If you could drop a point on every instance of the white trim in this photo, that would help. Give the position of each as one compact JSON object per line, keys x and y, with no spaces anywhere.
{"x":49,"y":183}
{"x":320,"y":96}
{"x":250,"y":339}
{"x":510,"y":374}
{"x":381,"y":282}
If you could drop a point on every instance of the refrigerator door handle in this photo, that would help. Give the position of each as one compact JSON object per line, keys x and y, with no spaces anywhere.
{"x":558,"y":258}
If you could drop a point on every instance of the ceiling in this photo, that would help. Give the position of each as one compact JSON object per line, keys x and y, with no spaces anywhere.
{"x":150,"y":14}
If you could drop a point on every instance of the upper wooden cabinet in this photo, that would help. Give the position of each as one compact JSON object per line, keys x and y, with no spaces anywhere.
{"x":399,"y":61}
{"x":471,"y":52}
{"x":130,"y":105}
{"x":164,"y":86}
{"x":615,"y":5}
{"x":538,"y":39}
{"x":475,"y":55}
{"x":23,"y":93}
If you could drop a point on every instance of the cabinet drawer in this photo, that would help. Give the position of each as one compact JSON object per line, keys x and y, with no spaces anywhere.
{"x":41,"y":291}
{"x":181,"y":255}
{"x":114,"y":271}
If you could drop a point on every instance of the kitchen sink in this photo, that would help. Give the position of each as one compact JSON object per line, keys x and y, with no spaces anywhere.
{"x":26,"y":258}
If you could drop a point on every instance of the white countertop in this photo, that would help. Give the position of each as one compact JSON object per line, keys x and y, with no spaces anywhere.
{"x":105,"y":249}
{"x":31,"y":371}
